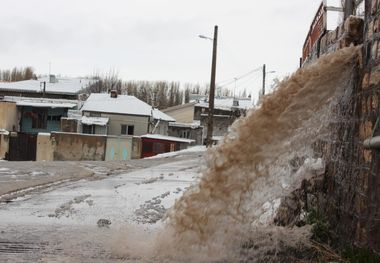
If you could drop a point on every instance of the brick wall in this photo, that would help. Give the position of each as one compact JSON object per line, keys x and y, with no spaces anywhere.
{"x":350,"y":191}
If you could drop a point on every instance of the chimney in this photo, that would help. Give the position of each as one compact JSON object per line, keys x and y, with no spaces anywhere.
{"x":235,"y":103}
{"x":113,"y":94}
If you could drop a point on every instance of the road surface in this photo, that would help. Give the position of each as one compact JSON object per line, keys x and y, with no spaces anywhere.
{"x":81,"y":218}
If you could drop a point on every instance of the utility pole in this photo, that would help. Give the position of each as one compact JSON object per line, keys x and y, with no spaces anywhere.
{"x":349,"y":6}
{"x":235,"y":87}
{"x":210,"y":124}
{"x":264,"y":76}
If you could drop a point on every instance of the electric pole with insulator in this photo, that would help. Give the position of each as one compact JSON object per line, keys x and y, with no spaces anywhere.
{"x":264,"y":76}
{"x":210,"y":124}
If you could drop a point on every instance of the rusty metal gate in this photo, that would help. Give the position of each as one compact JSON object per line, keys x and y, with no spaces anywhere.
{"x":22,"y":147}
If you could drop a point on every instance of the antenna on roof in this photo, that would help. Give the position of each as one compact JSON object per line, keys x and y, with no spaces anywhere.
{"x":49,"y":68}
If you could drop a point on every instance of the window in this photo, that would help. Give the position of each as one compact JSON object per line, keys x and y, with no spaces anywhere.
{"x":185,"y":134}
{"x":127,"y":129}
{"x":95,"y":114}
{"x":54,"y":118}
{"x":88,"y":129}
{"x":39,"y":118}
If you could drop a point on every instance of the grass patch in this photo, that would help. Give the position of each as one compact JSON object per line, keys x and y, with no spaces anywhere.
{"x":359,"y":255}
{"x":320,"y":227}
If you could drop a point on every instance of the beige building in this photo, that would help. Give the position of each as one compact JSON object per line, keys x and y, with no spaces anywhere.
{"x":182,"y":113}
{"x":113,"y":114}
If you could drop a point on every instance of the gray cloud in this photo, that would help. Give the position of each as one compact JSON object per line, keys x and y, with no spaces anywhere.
{"x":154,"y":39}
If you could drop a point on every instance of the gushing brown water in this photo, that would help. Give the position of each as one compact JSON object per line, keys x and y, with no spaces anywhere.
{"x":249,"y":172}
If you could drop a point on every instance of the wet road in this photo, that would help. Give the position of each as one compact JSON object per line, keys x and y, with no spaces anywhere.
{"x":82,"y":221}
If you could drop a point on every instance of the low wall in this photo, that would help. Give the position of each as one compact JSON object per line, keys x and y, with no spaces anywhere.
{"x":83,"y":147}
{"x":78,"y":147}
{"x":45,"y":147}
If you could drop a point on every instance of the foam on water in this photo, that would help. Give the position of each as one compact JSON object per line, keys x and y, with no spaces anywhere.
{"x":266,"y":155}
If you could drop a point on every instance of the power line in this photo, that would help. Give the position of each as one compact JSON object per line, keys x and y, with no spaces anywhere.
{"x":231,"y":81}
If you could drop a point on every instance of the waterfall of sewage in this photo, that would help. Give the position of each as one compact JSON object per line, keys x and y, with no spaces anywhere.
{"x":251,"y":169}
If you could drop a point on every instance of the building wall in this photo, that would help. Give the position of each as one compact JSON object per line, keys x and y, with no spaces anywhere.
{"x":26,"y":121}
{"x":119,"y":148}
{"x":8,"y":116}
{"x":194,"y":134}
{"x":183,"y":113}
{"x":141,"y":123}
{"x":45,"y":147}
{"x":78,"y":147}
{"x":220,"y":125}
{"x":162,"y":128}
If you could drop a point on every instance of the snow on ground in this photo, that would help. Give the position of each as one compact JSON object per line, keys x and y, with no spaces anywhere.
{"x":76,"y":222}
{"x":194,"y":149}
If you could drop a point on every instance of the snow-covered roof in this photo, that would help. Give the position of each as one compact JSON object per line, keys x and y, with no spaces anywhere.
{"x":227,"y":104}
{"x":94,"y":121}
{"x":45,"y":104}
{"x":193,"y":125}
{"x":41,"y":102}
{"x":123,"y":104}
{"x":166,"y":138}
{"x":159,"y":115}
{"x":62,"y":86}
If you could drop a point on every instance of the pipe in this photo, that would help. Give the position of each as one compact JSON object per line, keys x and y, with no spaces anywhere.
{"x":372,"y":143}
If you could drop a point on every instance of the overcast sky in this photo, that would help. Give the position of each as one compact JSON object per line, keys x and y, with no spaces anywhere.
{"x":155,"y":39}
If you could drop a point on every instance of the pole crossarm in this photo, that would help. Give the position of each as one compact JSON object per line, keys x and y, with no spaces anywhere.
{"x":334,"y":9}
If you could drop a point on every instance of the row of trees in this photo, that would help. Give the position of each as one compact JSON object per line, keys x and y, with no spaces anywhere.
{"x":160,"y":94}
{"x":17,"y":74}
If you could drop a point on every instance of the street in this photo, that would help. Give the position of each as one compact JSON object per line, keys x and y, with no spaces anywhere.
{"x":82,"y":220}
